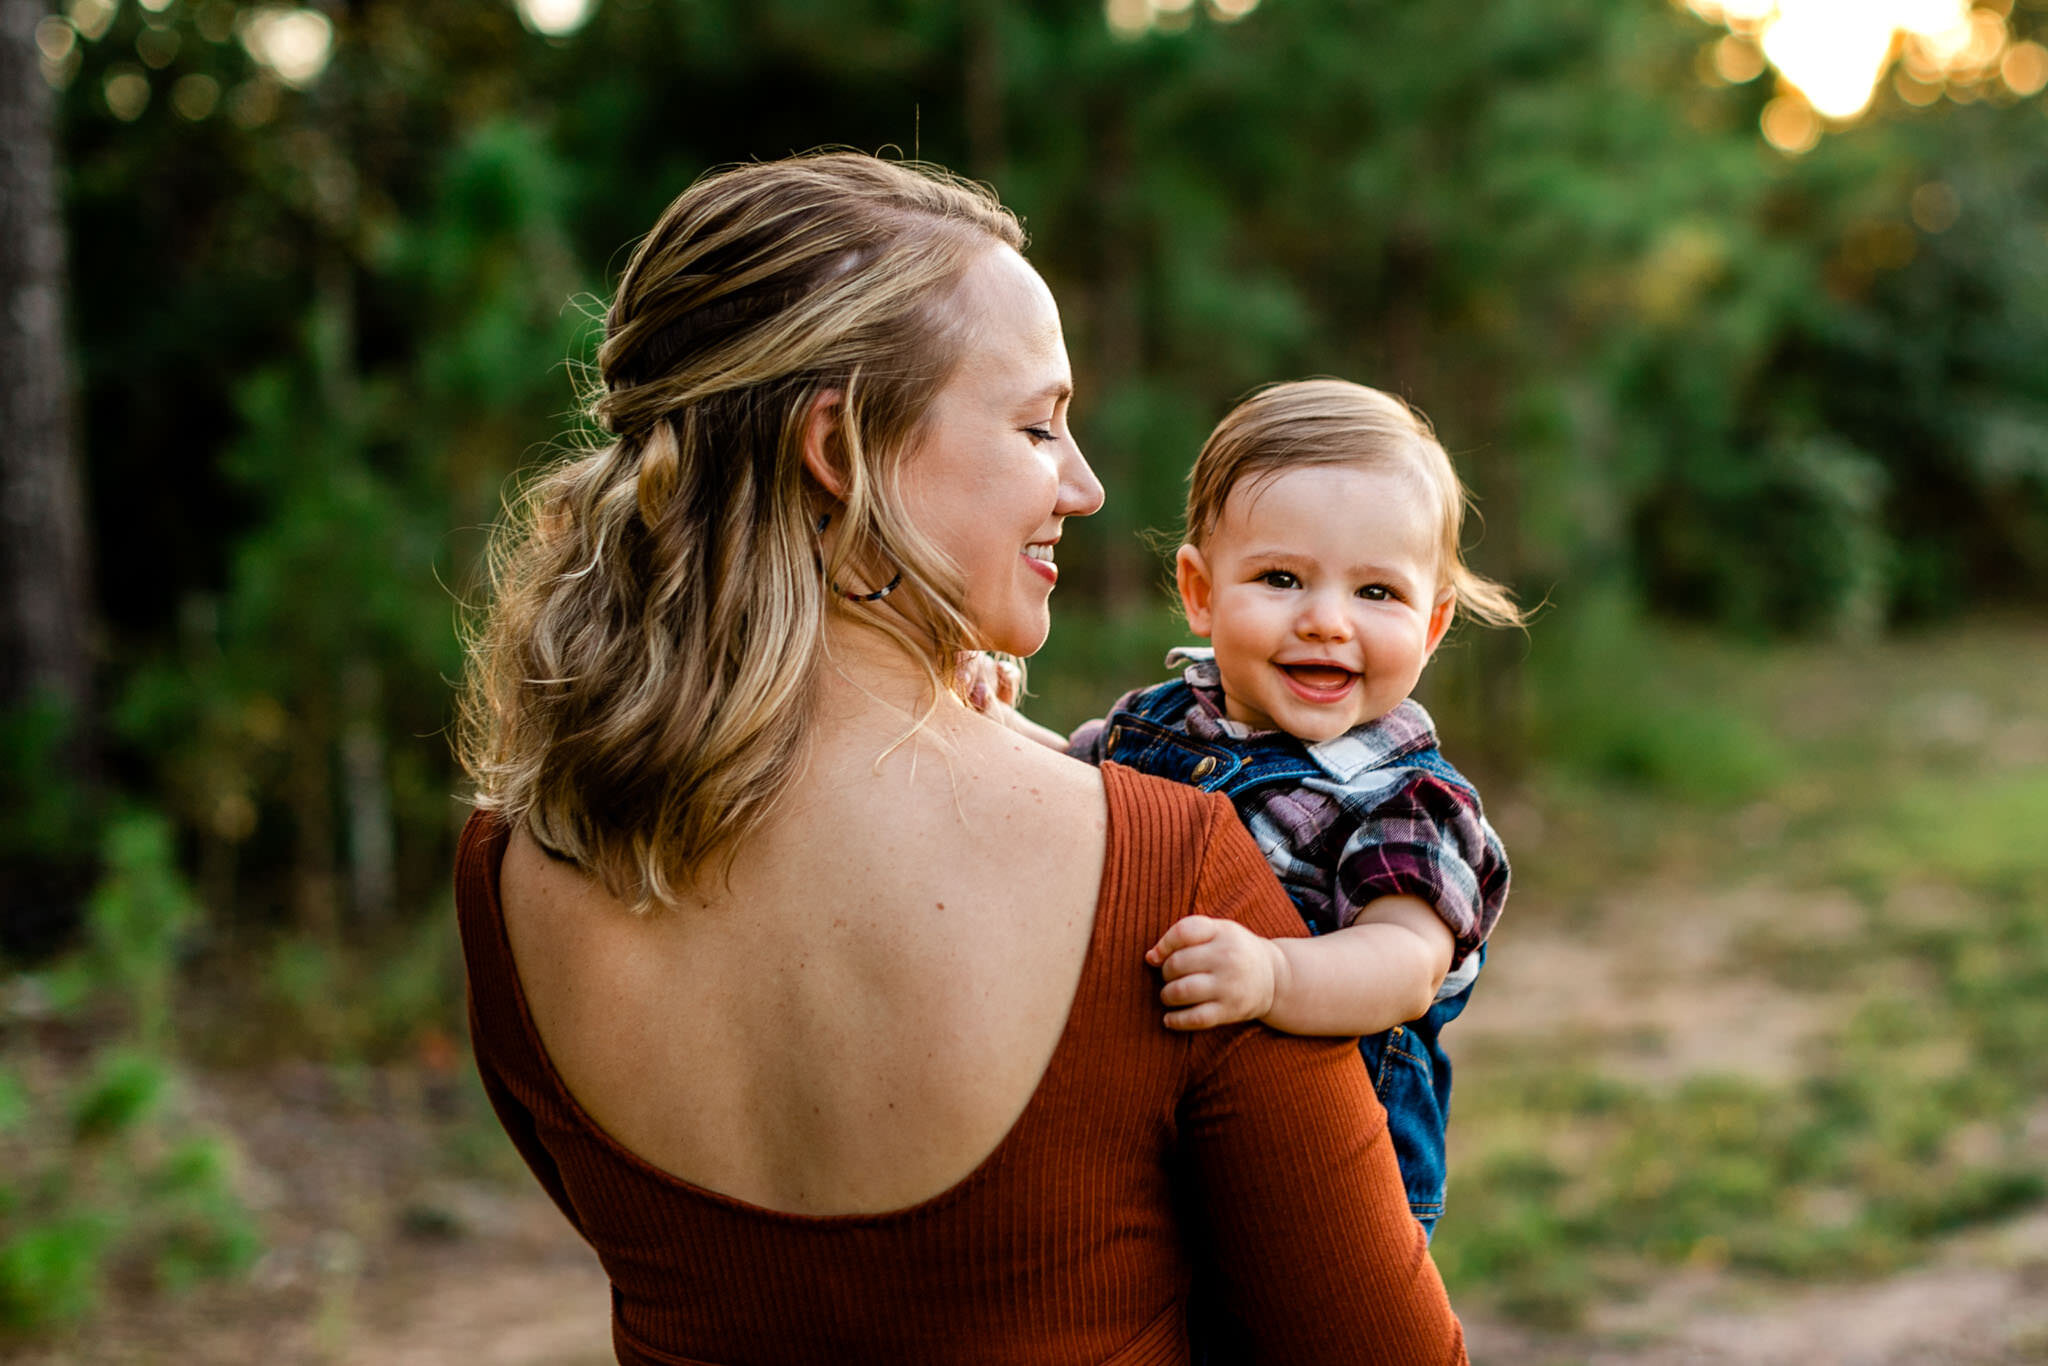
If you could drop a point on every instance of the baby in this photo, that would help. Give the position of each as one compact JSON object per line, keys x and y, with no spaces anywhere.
{"x":1322,"y":562}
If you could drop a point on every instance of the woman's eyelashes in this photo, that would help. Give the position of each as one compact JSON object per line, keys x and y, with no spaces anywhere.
{"x":1040,"y":435}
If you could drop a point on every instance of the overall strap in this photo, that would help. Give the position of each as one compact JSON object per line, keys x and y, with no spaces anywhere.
{"x":1147,"y":734}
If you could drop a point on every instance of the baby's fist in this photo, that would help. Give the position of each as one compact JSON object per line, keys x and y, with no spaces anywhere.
{"x":1217,"y":972}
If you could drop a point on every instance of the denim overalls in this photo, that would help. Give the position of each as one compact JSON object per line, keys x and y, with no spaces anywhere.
{"x":1408,"y":1068}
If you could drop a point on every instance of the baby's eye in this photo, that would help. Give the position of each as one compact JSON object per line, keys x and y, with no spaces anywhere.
{"x":1279,"y":578}
{"x":1039,"y":435}
{"x":1377,"y":592}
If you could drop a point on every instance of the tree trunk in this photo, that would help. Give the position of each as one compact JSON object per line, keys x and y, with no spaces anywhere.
{"x":44,"y":586}
{"x":45,"y":592}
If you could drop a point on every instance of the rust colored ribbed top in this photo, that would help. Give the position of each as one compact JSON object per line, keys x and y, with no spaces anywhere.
{"x":1064,"y":1245}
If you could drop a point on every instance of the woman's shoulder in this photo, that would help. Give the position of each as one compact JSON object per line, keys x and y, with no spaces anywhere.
{"x":1177,"y":850}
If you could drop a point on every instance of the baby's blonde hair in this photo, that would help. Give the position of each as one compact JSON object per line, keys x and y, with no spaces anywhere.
{"x":1335,"y":422}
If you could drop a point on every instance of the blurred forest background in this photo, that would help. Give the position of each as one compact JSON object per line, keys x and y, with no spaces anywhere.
{"x":1733,"y":312}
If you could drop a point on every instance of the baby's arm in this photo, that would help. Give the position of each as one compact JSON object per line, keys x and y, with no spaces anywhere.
{"x":1418,"y":887}
{"x":1379,"y":971}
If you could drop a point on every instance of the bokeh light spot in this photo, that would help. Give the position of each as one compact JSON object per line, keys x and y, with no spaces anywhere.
{"x":1936,"y":207}
{"x":555,"y":18}
{"x":158,"y":47}
{"x":216,"y":20}
{"x":55,"y":38}
{"x":1230,"y":11}
{"x":91,"y":18}
{"x":1790,"y":125}
{"x":127,"y":92}
{"x":1987,"y":40}
{"x":62,"y":72}
{"x":2025,"y":68}
{"x":293,"y":43}
{"x":1913,"y":90}
{"x":1128,"y":18}
{"x":1737,"y":59}
{"x":195,"y":96}
{"x":254,"y":103}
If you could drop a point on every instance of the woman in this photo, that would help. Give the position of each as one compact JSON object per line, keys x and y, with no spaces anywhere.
{"x":815,"y":998}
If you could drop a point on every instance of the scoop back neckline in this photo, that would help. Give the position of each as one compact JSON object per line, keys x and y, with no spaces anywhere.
{"x":497,"y":840}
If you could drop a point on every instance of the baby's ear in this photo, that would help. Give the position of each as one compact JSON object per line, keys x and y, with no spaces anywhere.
{"x":1191,"y":573}
{"x":1440,"y":617}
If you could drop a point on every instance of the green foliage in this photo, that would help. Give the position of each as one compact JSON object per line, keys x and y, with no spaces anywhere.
{"x":1673,"y":363}
{"x":49,"y":1273}
{"x":118,"y":1096}
{"x":13,"y":1102}
{"x":365,"y":1002}
{"x":111,"y":1171}
{"x":45,"y":812}
{"x":1794,"y":539}
{"x":114,"y":1175}
{"x":201,"y":1227}
{"x":1620,"y":700}
{"x":138,"y":917}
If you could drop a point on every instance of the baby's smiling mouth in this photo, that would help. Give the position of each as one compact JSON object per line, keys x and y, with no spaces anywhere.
{"x":1321,"y":677}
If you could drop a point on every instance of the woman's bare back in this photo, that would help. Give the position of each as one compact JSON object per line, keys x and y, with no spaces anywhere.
{"x":854,"y":1020}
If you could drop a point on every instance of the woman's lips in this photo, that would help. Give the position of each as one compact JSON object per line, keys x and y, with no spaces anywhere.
{"x":1044,"y":566}
{"x":1318,"y":682}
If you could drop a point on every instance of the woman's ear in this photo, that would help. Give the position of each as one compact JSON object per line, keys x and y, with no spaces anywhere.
{"x":1191,"y":573}
{"x":823,"y":451}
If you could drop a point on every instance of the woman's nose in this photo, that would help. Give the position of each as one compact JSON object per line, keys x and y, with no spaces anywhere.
{"x":1080,"y":490}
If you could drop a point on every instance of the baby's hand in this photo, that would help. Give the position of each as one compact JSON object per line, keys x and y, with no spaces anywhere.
{"x":989,"y":684}
{"x":1217,"y":972}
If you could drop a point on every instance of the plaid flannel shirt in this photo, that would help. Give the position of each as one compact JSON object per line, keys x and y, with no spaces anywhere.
{"x":1385,"y":816}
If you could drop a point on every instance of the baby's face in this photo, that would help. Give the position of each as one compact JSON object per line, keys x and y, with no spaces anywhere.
{"x":1320,"y":590}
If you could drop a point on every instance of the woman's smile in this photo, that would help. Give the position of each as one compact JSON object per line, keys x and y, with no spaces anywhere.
{"x":1039,"y":556}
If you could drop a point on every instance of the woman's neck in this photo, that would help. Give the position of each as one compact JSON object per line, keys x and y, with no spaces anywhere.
{"x":870,"y":684}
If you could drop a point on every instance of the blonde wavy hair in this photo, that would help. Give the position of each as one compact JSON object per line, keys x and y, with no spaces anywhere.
{"x":638,"y":688}
{"x":1336,"y":422}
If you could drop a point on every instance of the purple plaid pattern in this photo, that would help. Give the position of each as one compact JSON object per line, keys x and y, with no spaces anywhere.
{"x":1382,"y":820}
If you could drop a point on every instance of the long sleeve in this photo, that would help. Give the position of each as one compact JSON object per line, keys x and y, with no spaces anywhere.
{"x":1287,"y":1150}
{"x":1427,"y":840}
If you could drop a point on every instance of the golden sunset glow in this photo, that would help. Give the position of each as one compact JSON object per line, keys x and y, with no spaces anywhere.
{"x":1834,"y":54}
{"x":1135,"y":18}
